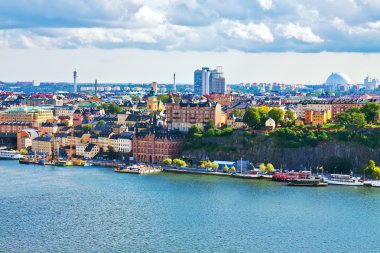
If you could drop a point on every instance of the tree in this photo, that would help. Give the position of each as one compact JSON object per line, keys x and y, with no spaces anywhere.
{"x":87,"y":128}
{"x":167,"y":161}
{"x":194,"y":129}
{"x":215,"y":166}
{"x":135,"y":98}
{"x":111,"y":152}
{"x":225,"y":168}
{"x":208,"y":164}
{"x":100,"y":123}
{"x":113,"y":109}
{"x":263,"y":111}
{"x":162,"y":97}
{"x":370,"y":110}
{"x":358,"y":120}
{"x":23,"y":151}
{"x":238,"y":113}
{"x":289,"y":114}
{"x":179,"y":162}
{"x":269,"y":168}
{"x":263,"y":167}
{"x":233,"y":168}
{"x":277,"y":114}
{"x":349,"y":119}
{"x":210,"y":125}
{"x":252,"y":118}
{"x":372,"y":169}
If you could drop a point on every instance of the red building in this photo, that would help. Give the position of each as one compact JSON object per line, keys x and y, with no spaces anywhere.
{"x":339,"y":106}
{"x":183,"y":115}
{"x":154,"y":146}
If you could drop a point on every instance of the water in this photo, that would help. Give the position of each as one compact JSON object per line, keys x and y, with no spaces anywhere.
{"x":58,"y":209}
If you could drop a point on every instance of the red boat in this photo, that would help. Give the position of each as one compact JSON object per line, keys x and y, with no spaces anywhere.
{"x":288,"y":176}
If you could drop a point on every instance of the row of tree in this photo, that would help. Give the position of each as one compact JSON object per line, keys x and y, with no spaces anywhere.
{"x":269,"y":168}
{"x":176,"y":162}
{"x":256,"y":117}
{"x":357,"y":117}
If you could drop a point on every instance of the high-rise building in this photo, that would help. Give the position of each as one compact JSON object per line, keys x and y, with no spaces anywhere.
{"x":202,"y":81}
{"x":208,"y":81}
{"x":217,"y":81}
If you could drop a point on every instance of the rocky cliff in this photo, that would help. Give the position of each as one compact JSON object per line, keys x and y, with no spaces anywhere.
{"x":267,"y":150}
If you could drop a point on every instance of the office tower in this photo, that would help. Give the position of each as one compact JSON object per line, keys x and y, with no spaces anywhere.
{"x":217,"y":81}
{"x":202,"y":81}
{"x":75,"y":81}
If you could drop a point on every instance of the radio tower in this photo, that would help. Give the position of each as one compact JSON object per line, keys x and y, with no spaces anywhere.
{"x":75,"y":81}
{"x":174,"y":85}
{"x":96,"y":88}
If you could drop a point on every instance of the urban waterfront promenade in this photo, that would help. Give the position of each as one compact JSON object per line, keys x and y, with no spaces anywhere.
{"x":79,"y":209}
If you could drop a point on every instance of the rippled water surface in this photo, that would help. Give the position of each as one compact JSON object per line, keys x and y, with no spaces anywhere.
{"x":57,"y":209}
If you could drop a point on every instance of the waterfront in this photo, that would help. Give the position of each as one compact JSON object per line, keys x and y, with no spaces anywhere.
{"x":79,"y":209}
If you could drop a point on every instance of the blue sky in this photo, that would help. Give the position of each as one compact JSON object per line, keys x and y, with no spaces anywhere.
{"x":202,"y":26}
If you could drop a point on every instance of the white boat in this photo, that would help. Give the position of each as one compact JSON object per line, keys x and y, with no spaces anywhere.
{"x":10,"y":155}
{"x":341,"y":179}
{"x":372,"y":183}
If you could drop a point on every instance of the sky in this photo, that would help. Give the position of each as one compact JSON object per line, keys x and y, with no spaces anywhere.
{"x":290,"y":41}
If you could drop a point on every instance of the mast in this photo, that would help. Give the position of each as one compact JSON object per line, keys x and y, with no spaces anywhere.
{"x":71,"y":144}
{"x":241,"y":165}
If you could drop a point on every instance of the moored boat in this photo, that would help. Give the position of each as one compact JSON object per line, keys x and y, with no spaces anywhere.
{"x":288,"y":176}
{"x":372,"y":183}
{"x":10,"y":155}
{"x":341,"y":179}
{"x":313,"y":182}
{"x":25,"y":161}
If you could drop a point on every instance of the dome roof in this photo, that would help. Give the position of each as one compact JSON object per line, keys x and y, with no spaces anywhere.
{"x":338,"y":78}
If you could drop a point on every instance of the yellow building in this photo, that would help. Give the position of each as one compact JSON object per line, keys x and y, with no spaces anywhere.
{"x":43,"y":145}
{"x":153,"y":104}
{"x":26,"y":114}
{"x":317,"y":117}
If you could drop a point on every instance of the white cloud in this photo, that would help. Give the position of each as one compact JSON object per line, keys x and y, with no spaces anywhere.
{"x":265,"y":4}
{"x":374,"y":25}
{"x":147,"y":17}
{"x":286,"y":25}
{"x":302,"y":33}
{"x":251,"y":31}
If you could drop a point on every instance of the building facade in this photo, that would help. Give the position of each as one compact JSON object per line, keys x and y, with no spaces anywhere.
{"x":155,"y":146}
{"x":183,"y":115}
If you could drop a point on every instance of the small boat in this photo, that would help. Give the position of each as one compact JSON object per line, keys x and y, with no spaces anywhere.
{"x":341,"y":179}
{"x":313,"y":182}
{"x":41,"y":162}
{"x":85,"y":164}
{"x":63,"y":163}
{"x":25,"y":161}
{"x":247,"y":176}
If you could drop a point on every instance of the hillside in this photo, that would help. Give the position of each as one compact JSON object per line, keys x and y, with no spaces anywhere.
{"x":342,"y":154}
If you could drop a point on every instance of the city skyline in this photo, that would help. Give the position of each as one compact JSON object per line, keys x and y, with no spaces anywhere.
{"x":112,"y":66}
